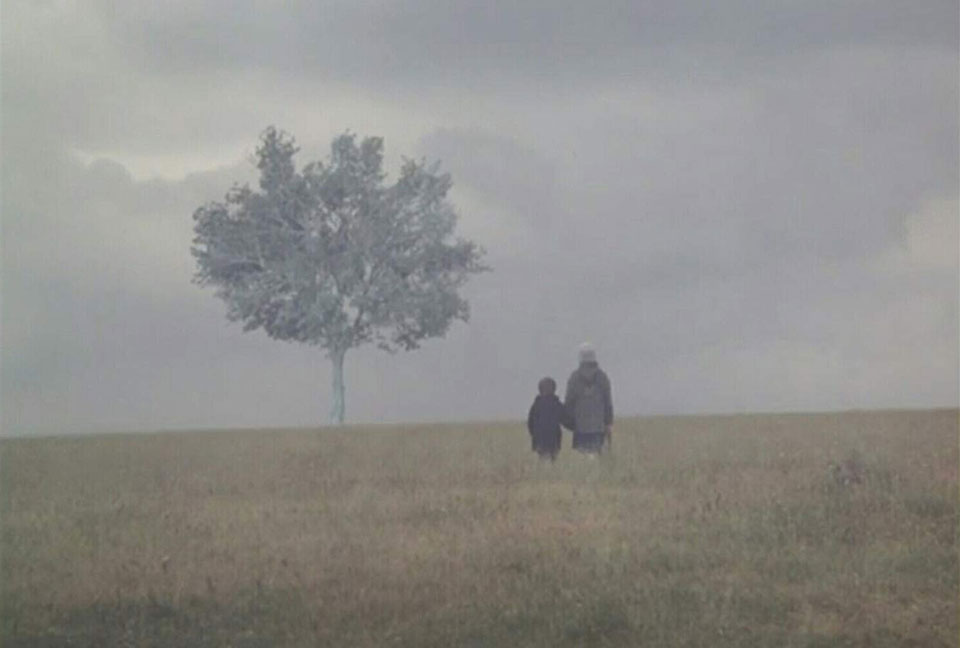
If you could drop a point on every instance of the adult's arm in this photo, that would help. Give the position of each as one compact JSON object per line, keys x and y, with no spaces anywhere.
{"x":608,"y":402}
{"x":532,"y":417}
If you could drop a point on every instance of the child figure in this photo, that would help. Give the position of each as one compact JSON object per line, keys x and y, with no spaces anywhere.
{"x":546,"y":416}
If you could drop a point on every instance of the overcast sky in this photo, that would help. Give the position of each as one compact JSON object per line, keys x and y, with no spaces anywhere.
{"x":744,"y":205}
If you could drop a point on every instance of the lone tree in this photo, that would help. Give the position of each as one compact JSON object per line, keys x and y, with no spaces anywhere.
{"x":333,"y":256}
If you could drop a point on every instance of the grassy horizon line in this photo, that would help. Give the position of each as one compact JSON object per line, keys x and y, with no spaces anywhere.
{"x":464,"y":422}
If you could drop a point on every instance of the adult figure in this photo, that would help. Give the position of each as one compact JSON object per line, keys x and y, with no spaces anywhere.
{"x":589,"y":402}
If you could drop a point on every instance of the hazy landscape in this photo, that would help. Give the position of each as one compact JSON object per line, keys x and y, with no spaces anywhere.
{"x":223,"y":225}
{"x":760,"y":530}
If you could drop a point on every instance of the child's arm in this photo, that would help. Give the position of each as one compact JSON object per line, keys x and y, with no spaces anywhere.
{"x":607,"y":403}
{"x":532,"y":418}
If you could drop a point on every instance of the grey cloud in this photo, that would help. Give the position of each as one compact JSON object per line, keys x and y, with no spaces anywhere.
{"x":484,"y":43}
{"x":798,"y":171}
{"x":111,"y":79}
{"x":508,"y":174}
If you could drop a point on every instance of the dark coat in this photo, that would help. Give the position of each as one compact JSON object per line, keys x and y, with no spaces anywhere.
{"x":588,"y":399}
{"x":546,"y":416}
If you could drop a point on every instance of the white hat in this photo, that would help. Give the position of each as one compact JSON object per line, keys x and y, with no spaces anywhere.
{"x":587,"y":353}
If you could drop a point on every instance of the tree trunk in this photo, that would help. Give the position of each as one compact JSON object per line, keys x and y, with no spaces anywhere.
{"x":338,"y":410}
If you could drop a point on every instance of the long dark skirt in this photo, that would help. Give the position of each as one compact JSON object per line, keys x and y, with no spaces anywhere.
{"x":592,"y":442}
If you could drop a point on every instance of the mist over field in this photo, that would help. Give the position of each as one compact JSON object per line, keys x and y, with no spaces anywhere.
{"x":743,"y":209}
{"x":728,"y":531}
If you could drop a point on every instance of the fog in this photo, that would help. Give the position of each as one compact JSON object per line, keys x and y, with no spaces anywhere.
{"x":744,"y":208}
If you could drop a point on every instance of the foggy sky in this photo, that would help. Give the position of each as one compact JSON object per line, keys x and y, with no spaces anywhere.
{"x":746,"y":207}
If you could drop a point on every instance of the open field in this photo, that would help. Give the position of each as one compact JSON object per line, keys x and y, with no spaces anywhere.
{"x":698,"y":531}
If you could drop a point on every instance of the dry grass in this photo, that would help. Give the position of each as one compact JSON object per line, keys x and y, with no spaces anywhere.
{"x":712,"y":531}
